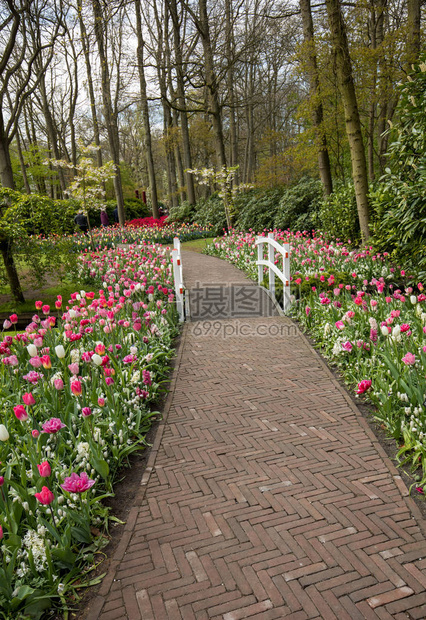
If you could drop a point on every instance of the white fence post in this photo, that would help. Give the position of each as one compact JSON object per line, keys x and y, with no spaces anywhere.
{"x":259,"y":258}
{"x":271,"y":258}
{"x":286,"y":270}
{"x":178,"y":279}
{"x":273,"y":270}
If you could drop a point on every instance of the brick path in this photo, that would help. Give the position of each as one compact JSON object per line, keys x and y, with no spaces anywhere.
{"x":266,"y":494}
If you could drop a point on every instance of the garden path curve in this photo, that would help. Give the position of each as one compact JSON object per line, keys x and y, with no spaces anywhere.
{"x":266,"y":494}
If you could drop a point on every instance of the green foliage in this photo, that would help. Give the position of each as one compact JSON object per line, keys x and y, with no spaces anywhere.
{"x":338,"y":216}
{"x":257,"y":208}
{"x":211,"y":211}
{"x":299,"y":206}
{"x":400,"y":199}
{"x":184,"y":212}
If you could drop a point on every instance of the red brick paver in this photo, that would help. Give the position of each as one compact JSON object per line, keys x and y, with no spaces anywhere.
{"x":266,"y":494}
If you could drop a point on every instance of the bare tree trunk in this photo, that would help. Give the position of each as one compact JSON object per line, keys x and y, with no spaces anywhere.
{"x":352,"y":120}
{"x":110,"y":117}
{"x":22,"y":164}
{"x":51,"y":131}
{"x":231,"y":87}
{"x":211,"y":83}
{"x":85,"y":46}
{"x":187,"y":157}
{"x":145,"y":111}
{"x":413,"y":31}
{"x":317,"y":112}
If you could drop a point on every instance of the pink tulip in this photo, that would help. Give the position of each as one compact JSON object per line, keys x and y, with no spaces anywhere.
{"x":44,"y":469}
{"x":73,"y":368}
{"x":45,"y":497}
{"x":86,"y":412}
{"x":58,"y":383}
{"x":35,"y":433}
{"x":77,"y":484}
{"x":1,"y":532}
{"x":409,"y":359}
{"x":76,"y":388}
{"x":101,"y":402}
{"x":38,"y":305}
{"x":13,"y":319}
{"x":20,"y":413}
{"x":1,"y":481}
{"x":363,"y":386}
{"x":28,"y":399}
{"x":340,"y":325}
{"x":45,"y":360}
{"x":52,"y":426}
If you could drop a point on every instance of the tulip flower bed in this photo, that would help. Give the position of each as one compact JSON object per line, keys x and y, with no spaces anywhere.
{"x":369,"y":319}
{"x":114,"y":235}
{"x":76,"y":401}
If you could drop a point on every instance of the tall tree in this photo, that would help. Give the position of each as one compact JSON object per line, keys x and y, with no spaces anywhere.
{"x":352,"y":118}
{"x":314,"y":83}
{"x":145,"y":110}
{"x":110,"y":115}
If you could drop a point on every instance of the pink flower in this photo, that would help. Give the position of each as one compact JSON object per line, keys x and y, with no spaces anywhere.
{"x":58,"y":383}
{"x":36,"y":361}
{"x":324,"y":301}
{"x":101,"y":402}
{"x":35,"y":433}
{"x":363,"y":386}
{"x":405,"y":327}
{"x":38,"y":305}
{"x":307,"y":310}
{"x":146,"y":375}
{"x":20,"y":413}
{"x":77,"y":484}
{"x":13,"y":319}
{"x":45,"y":309}
{"x":86,"y":412}
{"x":76,"y":388}
{"x":44,"y":469}
{"x":347,"y":346}
{"x":1,"y":532}
{"x":46,"y":496}
{"x":28,"y":399}
{"x":1,"y":481}
{"x":45,"y":360}
{"x":129,"y":359}
{"x":409,"y":359}
{"x":420,"y":490}
{"x":73,"y":368}
{"x":340,"y":325}
{"x":52,"y":426}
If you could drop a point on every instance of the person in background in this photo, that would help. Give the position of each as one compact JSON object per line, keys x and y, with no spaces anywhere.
{"x":81,"y":221}
{"x":116,"y":215}
{"x":104,"y":218}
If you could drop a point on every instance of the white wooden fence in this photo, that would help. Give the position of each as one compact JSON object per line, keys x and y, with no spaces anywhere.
{"x":273,"y":270}
{"x":178,"y":279}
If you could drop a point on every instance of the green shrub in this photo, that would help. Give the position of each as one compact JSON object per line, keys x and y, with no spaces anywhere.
{"x":256,"y":208}
{"x":400,"y":199}
{"x":184,"y":213}
{"x":211,"y":211}
{"x":299,"y":206}
{"x":338,"y":215}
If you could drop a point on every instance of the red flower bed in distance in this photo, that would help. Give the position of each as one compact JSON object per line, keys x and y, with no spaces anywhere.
{"x":148,"y":222}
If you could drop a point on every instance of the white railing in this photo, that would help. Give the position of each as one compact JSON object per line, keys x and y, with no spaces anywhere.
{"x":178,"y":279}
{"x":273,"y":269}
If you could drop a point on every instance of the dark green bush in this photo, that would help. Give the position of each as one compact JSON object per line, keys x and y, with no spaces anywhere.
{"x":299,"y":206}
{"x":257,"y":208}
{"x":183,"y":213}
{"x":400,"y":199}
{"x":211,"y":211}
{"x":338,"y":215}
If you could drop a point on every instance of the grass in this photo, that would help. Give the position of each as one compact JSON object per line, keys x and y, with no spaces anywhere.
{"x":46,"y":295}
{"x":196,"y":245}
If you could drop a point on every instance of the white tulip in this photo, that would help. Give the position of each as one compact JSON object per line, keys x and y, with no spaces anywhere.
{"x":96,"y":359}
{"x":396,"y":331}
{"x":32,"y":350}
{"x":71,"y":313}
{"x":413,"y":299}
{"x":4,"y":435}
{"x":384,"y":330}
{"x":60,"y":351}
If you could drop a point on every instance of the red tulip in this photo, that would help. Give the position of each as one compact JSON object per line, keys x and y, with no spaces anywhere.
{"x":44,"y":469}
{"x":45,"y":497}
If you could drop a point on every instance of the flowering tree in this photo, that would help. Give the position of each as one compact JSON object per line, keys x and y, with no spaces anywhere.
{"x":224,"y":178}
{"x":88,"y":185}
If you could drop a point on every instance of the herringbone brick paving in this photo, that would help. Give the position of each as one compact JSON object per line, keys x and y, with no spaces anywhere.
{"x":266,"y":494}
